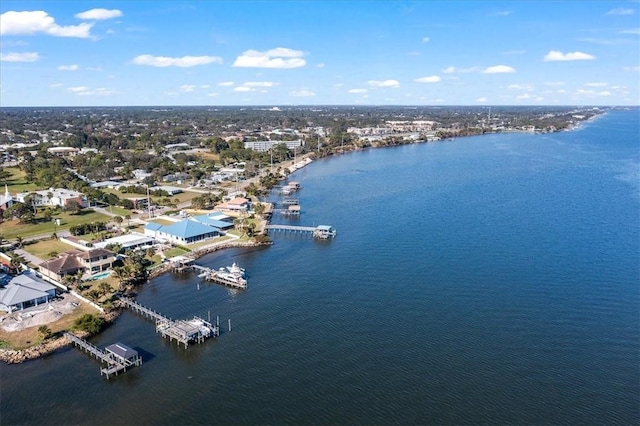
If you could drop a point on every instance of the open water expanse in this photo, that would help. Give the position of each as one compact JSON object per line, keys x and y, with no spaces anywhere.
{"x":490,"y":279}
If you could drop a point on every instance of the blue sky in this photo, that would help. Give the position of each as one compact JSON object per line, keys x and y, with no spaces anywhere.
{"x":72,"y":53}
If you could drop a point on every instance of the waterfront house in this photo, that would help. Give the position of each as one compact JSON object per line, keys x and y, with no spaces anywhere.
{"x":24,"y":291}
{"x":87,"y":263}
{"x":185,"y":232}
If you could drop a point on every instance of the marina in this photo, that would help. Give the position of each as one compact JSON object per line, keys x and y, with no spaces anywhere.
{"x":117,"y":357}
{"x":195,"y":330}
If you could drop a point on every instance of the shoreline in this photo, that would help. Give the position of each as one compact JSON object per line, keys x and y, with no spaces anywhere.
{"x":49,"y":347}
{"x":10,"y":356}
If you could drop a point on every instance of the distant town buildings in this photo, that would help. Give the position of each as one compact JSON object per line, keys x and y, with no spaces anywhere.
{"x":264,"y":146}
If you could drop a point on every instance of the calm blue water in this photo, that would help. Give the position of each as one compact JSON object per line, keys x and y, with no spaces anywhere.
{"x":492,"y":279}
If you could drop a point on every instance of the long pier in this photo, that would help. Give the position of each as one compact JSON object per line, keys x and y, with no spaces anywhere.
{"x":182,"y":331}
{"x":115,"y":363}
{"x":321,"y":231}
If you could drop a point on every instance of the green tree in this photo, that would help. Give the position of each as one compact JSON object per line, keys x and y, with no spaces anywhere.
{"x":90,"y":323}
{"x":45,"y":332}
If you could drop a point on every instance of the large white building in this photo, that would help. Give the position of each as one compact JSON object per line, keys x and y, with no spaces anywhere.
{"x":264,"y":146}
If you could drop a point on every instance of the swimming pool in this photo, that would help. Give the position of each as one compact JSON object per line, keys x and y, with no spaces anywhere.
{"x":101,"y":275}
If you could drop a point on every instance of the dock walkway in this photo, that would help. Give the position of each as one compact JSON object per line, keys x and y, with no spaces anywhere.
{"x":114,"y":363}
{"x":321,"y":231}
{"x":182,"y":331}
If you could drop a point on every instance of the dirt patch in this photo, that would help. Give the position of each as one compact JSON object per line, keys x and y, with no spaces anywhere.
{"x":39,"y":315}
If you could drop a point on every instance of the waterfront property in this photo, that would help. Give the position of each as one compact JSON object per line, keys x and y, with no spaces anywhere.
{"x":184,"y":232}
{"x":53,"y":197}
{"x":24,"y":291}
{"x":87,"y":263}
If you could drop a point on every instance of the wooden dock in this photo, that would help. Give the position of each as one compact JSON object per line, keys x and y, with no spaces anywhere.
{"x":195,"y":330}
{"x":322,"y":231}
{"x":115,"y":363}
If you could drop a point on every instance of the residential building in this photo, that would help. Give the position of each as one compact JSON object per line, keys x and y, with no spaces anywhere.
{"x":54,"y":197}
{"x":24,"y":291}
{"x":86,"y":263}
{"x":237,"y":205}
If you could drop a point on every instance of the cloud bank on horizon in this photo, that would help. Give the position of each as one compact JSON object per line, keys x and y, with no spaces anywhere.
{"x":58,"y":53}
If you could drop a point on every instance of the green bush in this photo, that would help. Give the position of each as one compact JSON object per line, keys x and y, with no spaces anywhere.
{"x":90,"y":323}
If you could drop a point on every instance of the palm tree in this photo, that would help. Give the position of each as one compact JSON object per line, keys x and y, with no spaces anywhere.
{"x":19,"y":241}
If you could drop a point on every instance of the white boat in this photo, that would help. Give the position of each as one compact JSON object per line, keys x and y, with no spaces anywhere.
{"x":236,"y":270}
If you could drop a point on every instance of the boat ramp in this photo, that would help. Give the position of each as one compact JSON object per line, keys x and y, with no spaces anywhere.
{"x":195,"y":330}
{"x":322,"y":232}
{"x":117,"y":357}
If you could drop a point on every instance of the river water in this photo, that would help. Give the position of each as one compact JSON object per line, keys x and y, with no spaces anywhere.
{"x":490,"y":279}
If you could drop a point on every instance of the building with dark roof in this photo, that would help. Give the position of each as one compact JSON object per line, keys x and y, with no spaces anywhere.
{"x":86,"y":263}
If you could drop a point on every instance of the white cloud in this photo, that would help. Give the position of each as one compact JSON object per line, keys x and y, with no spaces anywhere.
{"x":320,"y":65}
{"x":425,"y":39}
{"x":499,"y":69}
{"x":53,"y":86}
{"x":73,"y":67}
{"x":301,"y":93}
{"x":99,"y":14}
{"x":635,"y":31}
{"x":621,"y":11}
{"x":501,"y":13}
{"x":19,"y":57}
{"x":259,"y":84}
{"x":514,"y":52}
{"x":527,"y":87}
{"x":38,"y":21}
{"x":78,"y":89}
{"x":452,"y":70}
{"x":632,"y":69}
{"x":429,"y":79}
{"x":524,"y":96}
{"x":555,"y":83}
{"x":384,"y":83}
{"x":183,"y":62}
{"x":242,"y":89}
{"x":482,"y":99}
{"x":212,"y":94}
{"x":226,"y":83}
{"x":187,"y":88}
{"x":555,"y":55}
{"x":357,"y":91}
{"x":280,"y":57}
{"x":597,"y":84}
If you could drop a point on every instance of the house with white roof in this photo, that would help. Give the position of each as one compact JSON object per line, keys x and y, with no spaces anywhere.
{"x":54,"y":197}
{"x":24,"y":291}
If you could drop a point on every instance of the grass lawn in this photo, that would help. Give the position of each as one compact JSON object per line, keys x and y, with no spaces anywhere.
{"x":17,"y":182}
{"x":176,"y":251}
{"x":42,"y":249}
{"x":13,"y":229}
